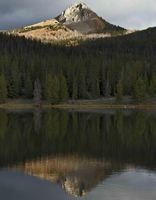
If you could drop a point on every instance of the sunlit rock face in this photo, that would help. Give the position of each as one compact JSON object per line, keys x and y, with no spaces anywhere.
{"x":78,"y":22}
{"x":78,"y":12}
{"x":81,"y":18}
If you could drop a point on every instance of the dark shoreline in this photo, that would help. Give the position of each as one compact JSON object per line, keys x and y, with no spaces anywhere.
{"x":78,"y":105}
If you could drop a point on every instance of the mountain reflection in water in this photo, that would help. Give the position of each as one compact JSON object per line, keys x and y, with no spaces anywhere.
{"x":76,"y":175}
{"x":77,"y":150}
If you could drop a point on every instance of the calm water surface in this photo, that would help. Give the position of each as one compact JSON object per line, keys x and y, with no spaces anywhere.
{"x":66,"y":155}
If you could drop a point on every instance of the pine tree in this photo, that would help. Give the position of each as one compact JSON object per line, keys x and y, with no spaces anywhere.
{"x":52,"y":89}
{"x":37,"y":92}
{"x":152,"y":89}
{"x":75,"y":89}
{"x":28,"y":88}
{"x":48,"y":88}
{"x":63,"y":93}
{"x":82,"y":93}
{"x":97,"y":88}
{"x":55,"y":90}
{"x":139,"y":90}
{"x":3,"y":89}
{"x":119,"y":91}
{"x":13,"y":86}
{"x":92,"y":82}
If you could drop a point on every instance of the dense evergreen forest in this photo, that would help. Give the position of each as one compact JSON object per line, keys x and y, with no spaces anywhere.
{"x":118,"y":66}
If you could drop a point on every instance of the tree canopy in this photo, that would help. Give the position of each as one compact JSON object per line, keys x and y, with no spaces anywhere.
{"x":92,"y":69}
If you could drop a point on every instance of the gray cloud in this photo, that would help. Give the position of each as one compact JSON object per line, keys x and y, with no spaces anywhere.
{"x":134,"y":14}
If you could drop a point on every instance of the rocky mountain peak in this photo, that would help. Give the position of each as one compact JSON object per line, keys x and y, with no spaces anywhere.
{"x":79,"y":5}
{"x":75,"y":13}
{"x":77,"y":21}
{"x":81,"y":18}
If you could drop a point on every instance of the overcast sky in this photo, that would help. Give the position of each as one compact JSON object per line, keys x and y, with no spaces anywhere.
{"x":132,"y":14}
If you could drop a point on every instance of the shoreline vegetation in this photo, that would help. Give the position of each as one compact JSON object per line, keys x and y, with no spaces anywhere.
{"x":96,"y":104}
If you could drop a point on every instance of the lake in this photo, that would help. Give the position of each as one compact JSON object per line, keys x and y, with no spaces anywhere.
{"x":87,"y":155}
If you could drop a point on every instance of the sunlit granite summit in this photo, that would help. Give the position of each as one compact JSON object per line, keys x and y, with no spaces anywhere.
{"x":77,"y":22}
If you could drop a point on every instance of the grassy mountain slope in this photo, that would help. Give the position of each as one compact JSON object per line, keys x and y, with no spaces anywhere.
{"x":78,"y":22}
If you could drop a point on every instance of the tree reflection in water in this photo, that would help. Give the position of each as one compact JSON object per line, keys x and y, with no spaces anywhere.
{"x":44,"y":144}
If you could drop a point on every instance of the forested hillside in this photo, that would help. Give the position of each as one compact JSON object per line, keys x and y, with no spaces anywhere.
{"x":124,"y":65}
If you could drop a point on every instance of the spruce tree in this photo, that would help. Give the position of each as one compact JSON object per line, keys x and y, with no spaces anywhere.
{"x":97,"y":88}
{"x":28,"y":88}
{"x":139,"y":90}
{"x":119,"y":92}
{"x":63,"y":91}
{"x":55,"y":87}
{"x":152,"y":89}
{"x":48,"y":88}
{"x":13,"y":89}
{"x":82,"y":93}
{"x":52,"y":89}
{"x":75,"y":89}
{"x":3,"y":89}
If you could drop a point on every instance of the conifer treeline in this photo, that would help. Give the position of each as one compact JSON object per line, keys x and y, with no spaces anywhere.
{"x":105,"y":67}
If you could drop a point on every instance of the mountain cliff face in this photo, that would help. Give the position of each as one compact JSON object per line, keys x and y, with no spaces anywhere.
{"x":81,"y":18}
{"x":76,"y":22}
{"x":76,"y":13}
